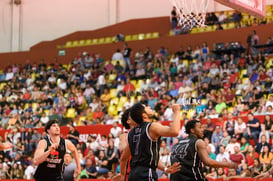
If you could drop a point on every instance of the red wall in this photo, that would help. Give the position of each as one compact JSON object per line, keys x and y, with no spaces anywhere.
{"x":105,"y":129}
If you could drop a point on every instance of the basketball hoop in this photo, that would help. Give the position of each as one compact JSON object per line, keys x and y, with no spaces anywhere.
{"x":192,"y":13}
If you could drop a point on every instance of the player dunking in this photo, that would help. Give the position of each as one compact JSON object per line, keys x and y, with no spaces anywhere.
{"x":143,"y":143}
{"x":191,"y":152}
{"x":49,"y":156}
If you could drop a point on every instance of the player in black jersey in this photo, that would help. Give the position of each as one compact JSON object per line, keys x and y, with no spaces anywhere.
{"x":143,"y":143}
{"x":191,"y":152}
{"x":128,"y":123}
{"x":49,"y":156}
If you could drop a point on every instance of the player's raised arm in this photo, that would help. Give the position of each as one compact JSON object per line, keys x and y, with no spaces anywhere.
{"x":157,"y":130}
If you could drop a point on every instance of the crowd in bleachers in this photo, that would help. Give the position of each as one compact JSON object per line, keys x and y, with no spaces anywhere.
{"x":181,"y":24}
{"x":91,"y":90}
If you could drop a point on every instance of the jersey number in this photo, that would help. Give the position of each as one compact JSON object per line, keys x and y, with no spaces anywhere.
{"x":181,"y":151}
{"x":136,"y":140}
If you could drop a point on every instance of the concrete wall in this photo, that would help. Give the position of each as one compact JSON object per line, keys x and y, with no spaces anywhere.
{"x":48,"y":50}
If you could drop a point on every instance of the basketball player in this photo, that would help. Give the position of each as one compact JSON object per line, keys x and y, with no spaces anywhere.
{"x":49,"y":156}
{"x":143,"y":144}
{"x":128,"y":123}
{"x":191,"y":152}
{"x":4,"y":146}
{"x":265,"y":174}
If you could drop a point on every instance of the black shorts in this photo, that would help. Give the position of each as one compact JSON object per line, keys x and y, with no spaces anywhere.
{"x":178,"y":177}
{"x":142,"y":174}
{"x":47,"y":178}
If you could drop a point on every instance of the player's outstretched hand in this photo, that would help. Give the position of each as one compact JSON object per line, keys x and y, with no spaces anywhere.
{"x":174,"y":168}
{"x":233,"y":165}
{"x":175,"y":107}
{"x":262,"y":176}
{"x":7,"y":145}
{"x":118,"y":177}
{"x":77,"y":172}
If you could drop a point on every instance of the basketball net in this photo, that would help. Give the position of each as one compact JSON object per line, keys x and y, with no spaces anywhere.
{"x":192,"y":13}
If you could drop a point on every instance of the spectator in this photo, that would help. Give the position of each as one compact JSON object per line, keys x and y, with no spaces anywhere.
{"x":230,"y":146}
{"x":244,"y":145}
{"x":129,"y":88}
{"x":17,"y":171}
{"x":240,"y":127}
{"x":36,"y":136}
{"x":257,"y":169}
{"x":115,"y":130}
{"x":221,"y":105}
{"x":237,"y":157}
{"x":208,"y":143}
{"x":101,"y":83}
{"x":222,"y":154}
{"x":69,"y":168}
{"x":119,"y":37}
{"x":237,"y":17}
{"x":230,"y":97}
{"x":251,"y":155}
{"x":262,"y":144}
{"x":245,"y":171}
{"x":29,"y":172}
{"x":127,"y":54}
{"x":225,"y":139}
{"x":229,"y":125}
{"x":266,"y":128}
{"x":222,"y":17}
{"x":44,"y":119}
{"x":254,"y":41}
{"x":89,"y":154}
{"x":216,"y":138}
{"x":265,"y":155}
{"x":211,"y":154}
{"x":91,"y":170}
{"x":165,"y":158}
{"x":105,"y":97}
{"x":94,"y":145}
{"x":117,"y":55}
{"x":270,"y":101}
{"x":98,"y":115}
{"x":73,"y":135}
{"x":253,"y":128}
{"x":174,"y":18}
{"x":102,"y":163}
{"x":112,"y":154}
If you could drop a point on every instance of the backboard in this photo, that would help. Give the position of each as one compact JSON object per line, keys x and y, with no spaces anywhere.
{"x":256,"y":8}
